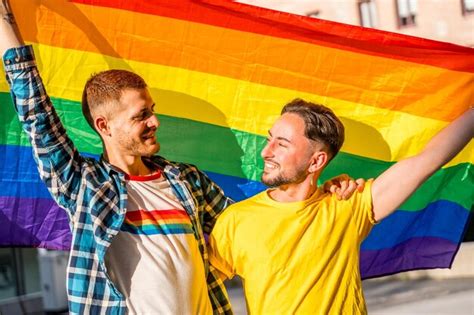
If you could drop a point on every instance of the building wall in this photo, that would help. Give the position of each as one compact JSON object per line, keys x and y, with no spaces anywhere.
{"x":441,"y":20}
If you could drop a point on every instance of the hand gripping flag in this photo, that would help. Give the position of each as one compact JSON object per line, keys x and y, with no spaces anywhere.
{"x":220,"y":73}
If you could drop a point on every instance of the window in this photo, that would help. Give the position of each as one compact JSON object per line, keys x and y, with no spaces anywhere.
{"x":313,"y":14}
{"x":368,"y":13}
{"x":467,"y":6}
{"x":406,"y":10}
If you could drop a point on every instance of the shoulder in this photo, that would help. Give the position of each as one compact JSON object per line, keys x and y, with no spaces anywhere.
{"x":243,"y":207}
{"x":358,"y":206}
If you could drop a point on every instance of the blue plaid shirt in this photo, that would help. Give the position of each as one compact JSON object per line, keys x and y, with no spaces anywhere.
{"x":94,"y":195}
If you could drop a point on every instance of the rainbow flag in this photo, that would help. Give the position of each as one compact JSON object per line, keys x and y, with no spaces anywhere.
{"x":220,"y":73}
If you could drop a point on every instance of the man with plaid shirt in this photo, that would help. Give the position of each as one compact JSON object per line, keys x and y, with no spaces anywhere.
{"x":98,"y":195}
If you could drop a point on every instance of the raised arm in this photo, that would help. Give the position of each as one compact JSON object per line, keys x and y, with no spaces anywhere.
{"x":9,"y":35}
{"x":57,"y":159}
{"x":396,"y":184}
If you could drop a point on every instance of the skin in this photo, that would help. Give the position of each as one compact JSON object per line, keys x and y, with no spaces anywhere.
{"x":292,"y":162}
{"x":129,"y":134}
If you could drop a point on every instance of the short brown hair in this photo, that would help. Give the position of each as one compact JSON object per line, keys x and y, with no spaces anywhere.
{"x":321,"y":124}
{"x":105,"y":87}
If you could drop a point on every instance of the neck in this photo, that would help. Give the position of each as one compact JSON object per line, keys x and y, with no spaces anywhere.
{"x":130,"y":164}
{"x":295,"y":191}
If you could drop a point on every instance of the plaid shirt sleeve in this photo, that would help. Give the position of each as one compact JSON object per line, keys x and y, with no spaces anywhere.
{"x":215,"y":202}
{"x":57,"y":159}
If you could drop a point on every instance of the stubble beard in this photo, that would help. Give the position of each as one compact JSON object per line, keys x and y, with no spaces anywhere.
{"x":284,"y":179}
{"x":138,"y":148}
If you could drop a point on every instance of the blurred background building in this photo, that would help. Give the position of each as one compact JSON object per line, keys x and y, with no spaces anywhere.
{"x":443,"y":20}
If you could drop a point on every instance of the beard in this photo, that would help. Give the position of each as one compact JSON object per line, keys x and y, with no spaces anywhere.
{"x":137,"y":147}
{"x":297,"y":175}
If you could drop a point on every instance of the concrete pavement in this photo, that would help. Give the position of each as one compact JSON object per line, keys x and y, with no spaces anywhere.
{"x":387,"y":296}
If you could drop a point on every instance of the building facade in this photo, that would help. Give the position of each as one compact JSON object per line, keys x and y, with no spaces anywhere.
{"x":443,"y":20}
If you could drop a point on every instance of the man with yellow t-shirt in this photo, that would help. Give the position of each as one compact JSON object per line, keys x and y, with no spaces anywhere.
{"x":297,"y":248}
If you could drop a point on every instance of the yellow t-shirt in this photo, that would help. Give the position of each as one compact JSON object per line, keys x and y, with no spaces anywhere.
{"x":296,"y":257}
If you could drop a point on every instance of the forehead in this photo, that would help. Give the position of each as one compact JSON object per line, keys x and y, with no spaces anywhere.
{"x":133,"y":99}
{"x":289,"y":125}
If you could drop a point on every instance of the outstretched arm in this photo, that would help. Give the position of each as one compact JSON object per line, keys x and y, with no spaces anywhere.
{"x":9,"y":35}
{"x":396,"y":184}
{"x":58,"y":161}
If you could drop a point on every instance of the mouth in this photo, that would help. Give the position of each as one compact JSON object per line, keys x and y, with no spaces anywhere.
{"x":270,"y":165}
{"x":149,"y":136}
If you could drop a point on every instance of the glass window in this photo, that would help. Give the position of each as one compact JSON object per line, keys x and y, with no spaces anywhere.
{"x":407,"y":11}
{"x":467,"y":6}
{"x":368,"y":13}
{"x":8,"y":286}
{"x":19,"y":273}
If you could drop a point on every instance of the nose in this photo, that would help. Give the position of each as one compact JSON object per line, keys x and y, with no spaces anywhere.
{"x":267,"y":151}
{"x":153,"y":122}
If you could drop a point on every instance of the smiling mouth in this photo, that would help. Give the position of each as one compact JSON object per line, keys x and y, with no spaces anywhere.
{"x":150,"y":136}
{"x":270,"y":165}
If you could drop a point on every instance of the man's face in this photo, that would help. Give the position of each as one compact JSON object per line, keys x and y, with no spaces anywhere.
{"x":134,"y":124}
{"x":288,"y":152}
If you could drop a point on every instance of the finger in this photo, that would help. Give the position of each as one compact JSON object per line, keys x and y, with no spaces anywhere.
{"x":344,"y":185}
{"x":333,"y":189}
{"x":326,"y":186}
{"x":338,"y":194}
{"x":350,"y":189}
{"x":360,"y":184}
{"x":343,"y":177}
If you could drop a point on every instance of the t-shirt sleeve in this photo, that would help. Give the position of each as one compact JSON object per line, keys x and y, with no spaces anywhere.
{"x":362,"y":210}
{"x":220,"y":244}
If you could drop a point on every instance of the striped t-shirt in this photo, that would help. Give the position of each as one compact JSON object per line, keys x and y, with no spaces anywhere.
{"x":154,"y":260}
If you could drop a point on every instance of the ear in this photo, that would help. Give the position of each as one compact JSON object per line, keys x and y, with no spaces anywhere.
{"x":102,"y":126}
{"x":318,"y":161}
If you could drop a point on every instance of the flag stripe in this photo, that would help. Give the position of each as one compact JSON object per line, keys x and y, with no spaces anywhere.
{"x":431,"y":252}
{"x":299,"y":28}
{"x":20,"y":225}
{"x":438,"y":219}
{"x":457,"y":181}
{"x":156,"y":39}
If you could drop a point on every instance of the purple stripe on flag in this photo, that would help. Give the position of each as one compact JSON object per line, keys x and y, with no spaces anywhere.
{"x":431,"y":252}
{"x":20,"y":227}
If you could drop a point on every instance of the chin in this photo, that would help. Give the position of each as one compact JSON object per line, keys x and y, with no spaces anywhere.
{"x":155,"y":149}
{"x":150,"y":150}
{"x":267,"y":181}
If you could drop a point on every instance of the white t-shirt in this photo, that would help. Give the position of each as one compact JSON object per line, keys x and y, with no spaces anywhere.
{"x":154,"y":260}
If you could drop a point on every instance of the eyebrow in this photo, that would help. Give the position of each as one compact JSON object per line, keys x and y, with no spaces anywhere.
{"x":144,"y":110}
{"x":279,"y":138}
